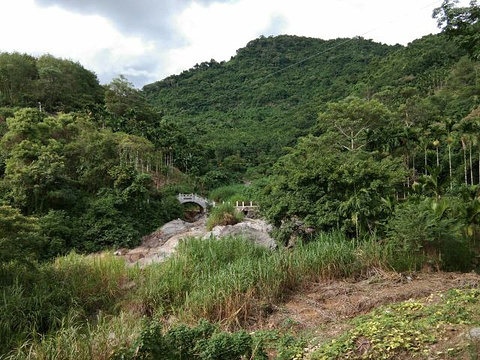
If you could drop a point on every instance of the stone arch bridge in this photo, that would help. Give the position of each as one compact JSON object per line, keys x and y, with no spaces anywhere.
{"x":195,"y":199}
{"x":248,"y":208}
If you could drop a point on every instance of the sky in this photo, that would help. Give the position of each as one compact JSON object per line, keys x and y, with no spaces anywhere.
{"x":148,"y":40}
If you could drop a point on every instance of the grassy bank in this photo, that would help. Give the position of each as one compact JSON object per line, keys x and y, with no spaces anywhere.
{"x":90,"y":306}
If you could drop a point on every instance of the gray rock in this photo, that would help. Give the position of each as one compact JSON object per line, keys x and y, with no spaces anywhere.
{"x":160,"y":245}
{"x":168,"y":230}
{"x":251,"y":229}
{"x":474,"y":333}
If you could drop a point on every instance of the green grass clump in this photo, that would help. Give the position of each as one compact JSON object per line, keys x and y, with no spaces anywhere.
{"x":75,"y":339}
{"x":233,"y":280}
{"x":405,"y":328}
{"x":223,"y":214}
{"x":37,"y":300}
{"x":204,"y":341}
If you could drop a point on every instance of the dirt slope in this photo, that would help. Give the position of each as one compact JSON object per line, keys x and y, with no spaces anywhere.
{"x":328,"y":304}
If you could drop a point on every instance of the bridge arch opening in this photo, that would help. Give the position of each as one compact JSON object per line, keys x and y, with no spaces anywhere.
{"x":195,"y":205}
{"x":192,"y":211}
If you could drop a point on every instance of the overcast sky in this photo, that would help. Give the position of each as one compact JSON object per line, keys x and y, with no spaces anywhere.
{"x":147,"y":40}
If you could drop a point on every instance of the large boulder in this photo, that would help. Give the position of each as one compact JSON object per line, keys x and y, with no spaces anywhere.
{"x":168,"y":230}
{"x":255,"y":230}
{"x":161,"y":244}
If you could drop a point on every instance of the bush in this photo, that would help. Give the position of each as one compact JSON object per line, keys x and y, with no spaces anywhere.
{"x":224,"y":214}
{"x":426,"y":228}
{"x":119,"y":219}
{"x":216,"y":178}
{"x":204,"y":341}
{"x":20,"y":238}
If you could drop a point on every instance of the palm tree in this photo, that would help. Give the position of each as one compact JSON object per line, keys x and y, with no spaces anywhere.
{"x":464,"y":147}
{"x":436,"y":143}
{"x":425,"y":141}
{"x":432,"y":182}
{"x":470,"y":141}
{"x":466,"y":129}
{"x":474,"y":119}
{"x":448,"y":123}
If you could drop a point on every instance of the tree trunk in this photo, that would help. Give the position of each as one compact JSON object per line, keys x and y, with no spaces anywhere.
{"x":407,"y":163}
{"x":426,"y":162}
{"x":471,"y":163}
{"x":450,"y":164}
{"x":413,"y":167}
{"x":465,"y":161}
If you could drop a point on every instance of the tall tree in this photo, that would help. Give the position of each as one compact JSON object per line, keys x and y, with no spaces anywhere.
{"x":355,"y":121}
{"x":18,"y":73}
{"x":461,"y":23}
{"x":64,"y":85}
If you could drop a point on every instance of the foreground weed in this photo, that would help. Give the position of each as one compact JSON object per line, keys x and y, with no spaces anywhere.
{"x":285,"y":346}
{"x":204,"y":341}
{"x":409,"y":327}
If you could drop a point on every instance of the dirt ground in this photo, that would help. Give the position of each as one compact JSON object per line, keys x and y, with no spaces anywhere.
{"x":326,"y":306}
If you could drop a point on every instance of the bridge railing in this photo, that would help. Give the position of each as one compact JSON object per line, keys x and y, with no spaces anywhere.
{"x":188,"y":196}
{"x":245,"y":204}
{"x":195,"y":198}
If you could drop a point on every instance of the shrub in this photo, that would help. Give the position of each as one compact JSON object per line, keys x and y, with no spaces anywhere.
{"x":426,"y":228}
{"x":204,"y":341}
{"x":20,"y":237}
{"x":224,"y":214}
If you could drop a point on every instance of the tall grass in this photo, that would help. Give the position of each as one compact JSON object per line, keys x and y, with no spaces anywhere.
{"x":37,"y":300}
{"x":230,"y":280}
{"x":89,"y":306}
{"x":75,"y":339}
{"x":223,"y":214}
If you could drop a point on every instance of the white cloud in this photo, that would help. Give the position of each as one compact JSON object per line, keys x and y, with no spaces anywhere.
{"x":92,"y":40}
{"x":207,"y":30}
{"x":218,"y":30}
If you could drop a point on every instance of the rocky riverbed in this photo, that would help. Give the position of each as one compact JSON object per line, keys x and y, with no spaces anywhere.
{"x":162,"y":243}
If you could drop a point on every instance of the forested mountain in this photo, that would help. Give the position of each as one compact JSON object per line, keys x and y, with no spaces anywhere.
{"x":260,"y":101}
{"x":365,"y":158}
{"x":221,"y":123}
{"x":270,"y":93}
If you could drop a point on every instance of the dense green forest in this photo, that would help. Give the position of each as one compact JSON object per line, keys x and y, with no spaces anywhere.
{"x":349,"y":147}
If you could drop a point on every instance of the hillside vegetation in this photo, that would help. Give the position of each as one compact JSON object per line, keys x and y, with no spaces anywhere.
{"x":249,"y":108}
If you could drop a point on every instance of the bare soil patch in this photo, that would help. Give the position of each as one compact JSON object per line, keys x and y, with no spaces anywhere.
{"x":326,"y":306}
